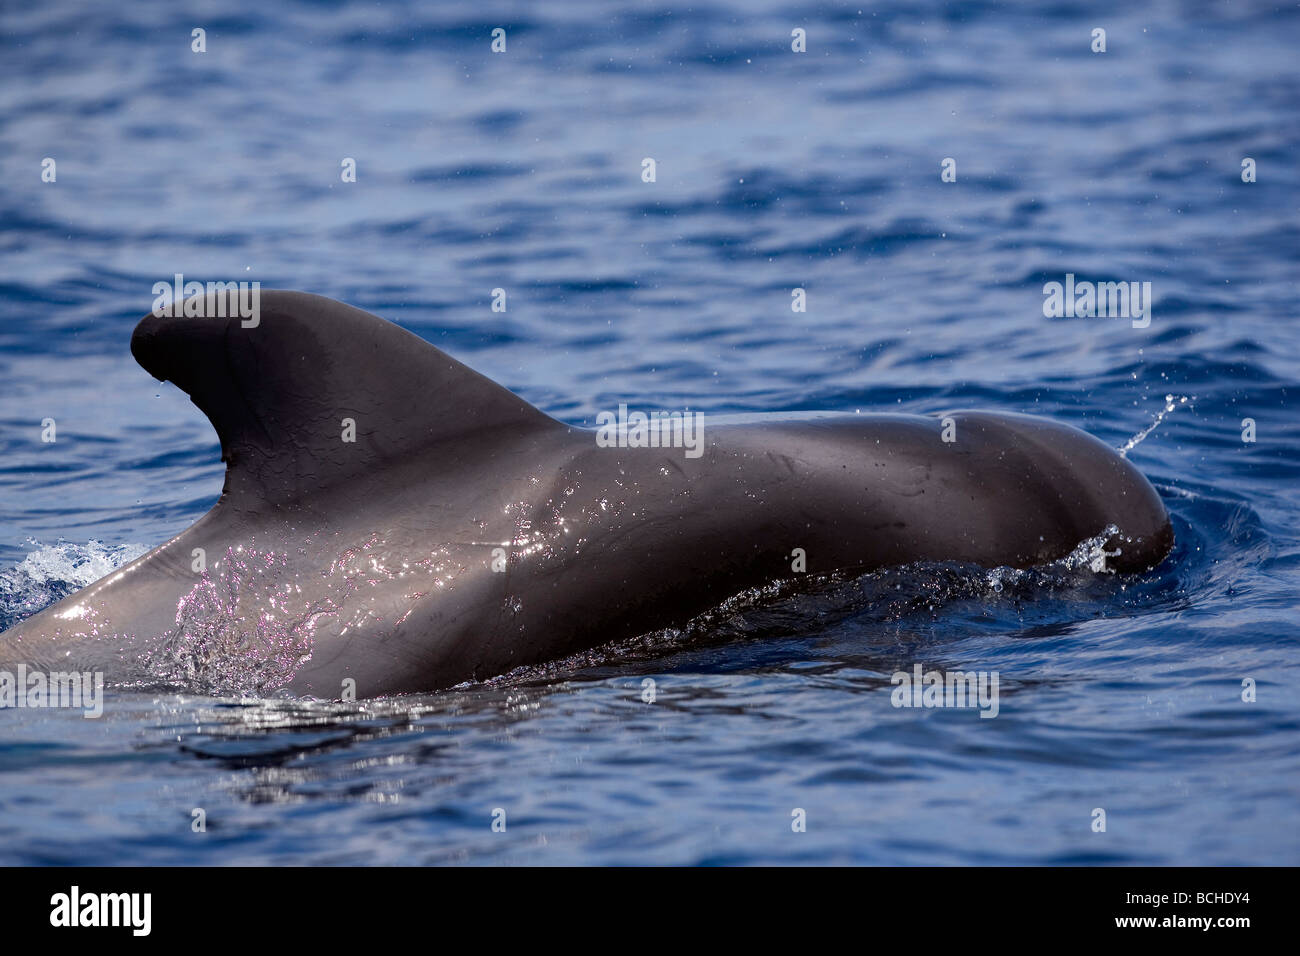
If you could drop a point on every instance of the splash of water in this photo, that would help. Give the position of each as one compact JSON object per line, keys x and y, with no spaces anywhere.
{"x":243,"y":630}
{"x":1170,"y":404}
{"x":52,"y":572}
{"x":247,"y":628}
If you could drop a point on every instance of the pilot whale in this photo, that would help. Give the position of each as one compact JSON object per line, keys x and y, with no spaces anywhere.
{"x":392,"y":521}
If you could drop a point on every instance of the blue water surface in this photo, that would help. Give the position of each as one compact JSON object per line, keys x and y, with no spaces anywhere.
{"x":774,"y":170}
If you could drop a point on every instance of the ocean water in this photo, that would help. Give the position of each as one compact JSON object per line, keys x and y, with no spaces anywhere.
{"x":775,"y":170}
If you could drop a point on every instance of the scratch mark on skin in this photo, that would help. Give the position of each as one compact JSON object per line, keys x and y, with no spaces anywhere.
{"x":784,"y":460}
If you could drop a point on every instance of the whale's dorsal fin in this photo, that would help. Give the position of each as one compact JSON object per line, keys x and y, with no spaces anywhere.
{"x":278,"y":392}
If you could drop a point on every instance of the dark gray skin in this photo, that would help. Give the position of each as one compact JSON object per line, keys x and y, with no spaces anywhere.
{"x":373,"y":560}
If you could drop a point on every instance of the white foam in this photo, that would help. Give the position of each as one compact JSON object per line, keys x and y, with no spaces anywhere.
{"x":75,"y":564}
{"x":54,"y":571}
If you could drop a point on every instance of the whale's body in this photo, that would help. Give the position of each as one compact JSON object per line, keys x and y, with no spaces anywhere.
{"x":464,"y":533}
